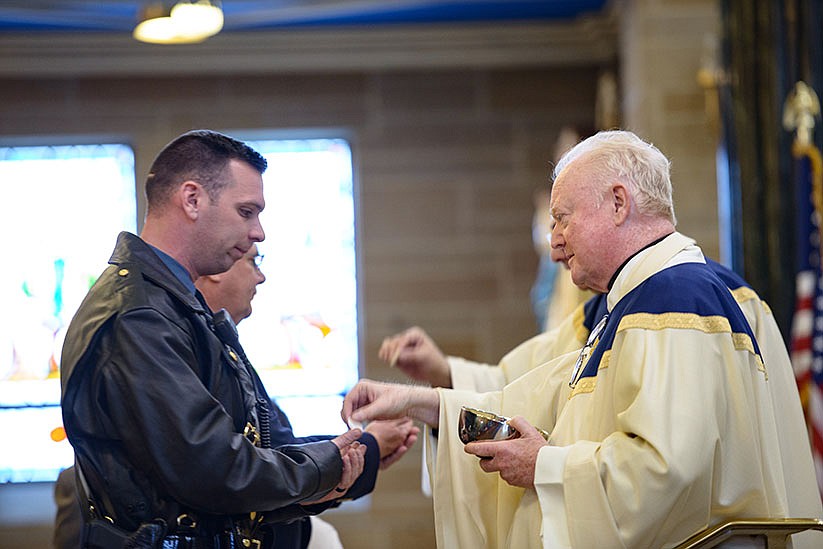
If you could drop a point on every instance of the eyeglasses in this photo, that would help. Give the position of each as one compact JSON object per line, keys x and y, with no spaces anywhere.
{"x":577,"y":371}
{"x":258,"y":260}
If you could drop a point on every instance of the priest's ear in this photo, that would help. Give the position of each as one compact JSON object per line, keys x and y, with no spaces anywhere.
{"x":621,"y":203}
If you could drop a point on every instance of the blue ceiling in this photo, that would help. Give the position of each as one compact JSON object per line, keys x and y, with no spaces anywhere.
{"x":245,"y":15}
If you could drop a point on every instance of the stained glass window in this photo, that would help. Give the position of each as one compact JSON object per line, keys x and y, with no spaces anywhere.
{"x":61,"y":210}
{"x":302,"y":335}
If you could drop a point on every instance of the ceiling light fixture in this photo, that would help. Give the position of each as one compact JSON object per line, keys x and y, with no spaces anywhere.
{"x":187,"y":22}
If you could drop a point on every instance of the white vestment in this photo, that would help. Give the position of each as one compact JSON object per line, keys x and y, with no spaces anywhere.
{"x":672,"y":427}
{"x":569,"y":335}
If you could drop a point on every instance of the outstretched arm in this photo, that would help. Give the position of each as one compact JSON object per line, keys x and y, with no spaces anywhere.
{"x":370,"y":400}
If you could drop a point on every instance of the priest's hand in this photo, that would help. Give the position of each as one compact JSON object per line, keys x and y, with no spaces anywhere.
{"x":369,"y":400}
{"x":414,"y":353}
{"x":514,"y":459}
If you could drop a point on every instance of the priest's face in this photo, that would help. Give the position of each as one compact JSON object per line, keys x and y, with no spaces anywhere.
{"x":584,"y":230}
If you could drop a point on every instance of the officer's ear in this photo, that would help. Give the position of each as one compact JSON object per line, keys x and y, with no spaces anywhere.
{"x":191,"y":196}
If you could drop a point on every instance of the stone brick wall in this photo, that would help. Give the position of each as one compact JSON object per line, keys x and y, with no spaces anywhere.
{"x":663,"y":44}
{"x":446,"y":165}
{"x":447,"y":157}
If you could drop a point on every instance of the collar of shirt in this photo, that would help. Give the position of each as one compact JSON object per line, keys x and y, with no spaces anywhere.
{"x":176,"y":268}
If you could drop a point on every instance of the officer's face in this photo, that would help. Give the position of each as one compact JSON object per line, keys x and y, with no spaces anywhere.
{"x":230,"y":224}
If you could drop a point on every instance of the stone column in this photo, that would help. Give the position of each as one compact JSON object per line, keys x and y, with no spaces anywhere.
{"x":663,"y":44}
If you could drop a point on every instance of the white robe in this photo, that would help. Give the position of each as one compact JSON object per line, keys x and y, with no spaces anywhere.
{"x":569,"y":335}
{"x":642,"y":455}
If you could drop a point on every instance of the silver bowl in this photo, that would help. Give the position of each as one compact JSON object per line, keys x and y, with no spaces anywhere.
{"x":477,"y":424}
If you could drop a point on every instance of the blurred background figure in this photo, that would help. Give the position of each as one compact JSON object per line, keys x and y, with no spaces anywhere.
{"x":564,"y":296}
{"x":543,"y":287}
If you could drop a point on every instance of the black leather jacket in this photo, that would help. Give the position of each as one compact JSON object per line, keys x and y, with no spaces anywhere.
{"x":156,"y":414}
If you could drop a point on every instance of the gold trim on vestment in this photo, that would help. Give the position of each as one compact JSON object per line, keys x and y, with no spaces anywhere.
{"x":587,"y":384}
{"x":604,"y":360}
{"x":744,"y":294}
{"x":584,"y":385}
{"x":714,"y":324}
{"x":743,"y":342}
{"x":690,"y":321}
{"x":686,"y":321}
{"x":578,"y":319}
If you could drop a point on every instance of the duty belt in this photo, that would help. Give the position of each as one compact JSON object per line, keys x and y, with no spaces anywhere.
{"x":101,"y":534}
{"x":226,"y":540}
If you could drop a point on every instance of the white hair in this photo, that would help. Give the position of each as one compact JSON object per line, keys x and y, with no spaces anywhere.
{"x":618,"y":154}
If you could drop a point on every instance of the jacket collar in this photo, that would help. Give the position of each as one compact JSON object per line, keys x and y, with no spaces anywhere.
{"x":131,"y":251}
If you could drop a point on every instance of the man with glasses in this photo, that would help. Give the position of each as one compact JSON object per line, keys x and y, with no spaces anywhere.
{"x":386,"y":441}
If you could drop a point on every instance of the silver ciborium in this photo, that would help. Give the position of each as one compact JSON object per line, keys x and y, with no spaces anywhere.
{"x":477,"y":424}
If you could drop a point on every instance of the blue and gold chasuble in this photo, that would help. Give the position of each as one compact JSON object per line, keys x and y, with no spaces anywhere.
{"x":666,"y":300}
{"x":669,"y":427}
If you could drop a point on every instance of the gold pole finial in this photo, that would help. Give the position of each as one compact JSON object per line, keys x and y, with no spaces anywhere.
{"x":799,"y":112}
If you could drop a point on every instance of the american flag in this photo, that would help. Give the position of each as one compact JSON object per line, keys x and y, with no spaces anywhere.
{"x":807,"y":324}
